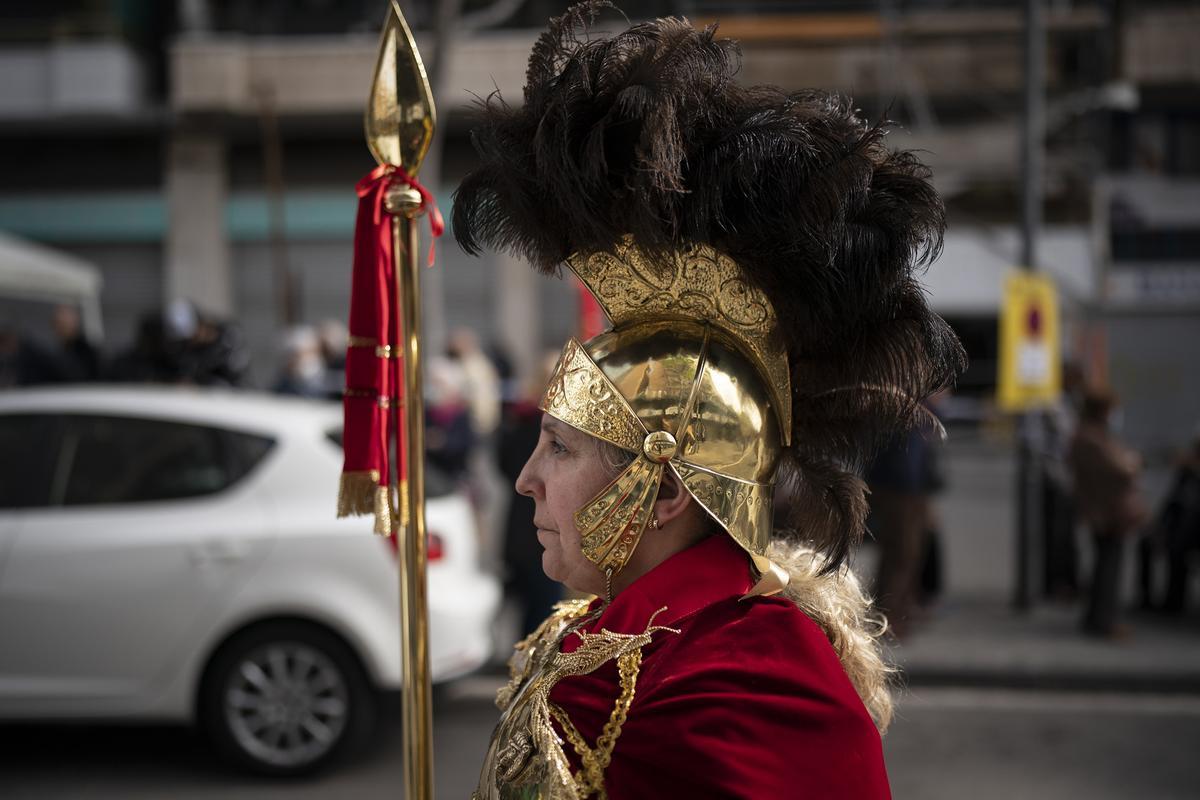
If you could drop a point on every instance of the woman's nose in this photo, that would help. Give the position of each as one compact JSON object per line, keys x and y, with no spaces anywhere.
{"x":527,"y":483}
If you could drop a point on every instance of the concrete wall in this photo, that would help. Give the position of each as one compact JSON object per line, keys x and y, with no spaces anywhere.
{"x":949,"y":54}
{"x":70,"y":78}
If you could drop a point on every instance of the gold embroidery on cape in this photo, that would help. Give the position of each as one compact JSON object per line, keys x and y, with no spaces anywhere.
{"x":698,"y":284}
{"x":589,"y":780}
{"x":525,"y":759}
{"x":582,"y":396}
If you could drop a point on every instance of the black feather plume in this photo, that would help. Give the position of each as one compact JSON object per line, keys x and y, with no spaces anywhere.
{"x":646,"y":133}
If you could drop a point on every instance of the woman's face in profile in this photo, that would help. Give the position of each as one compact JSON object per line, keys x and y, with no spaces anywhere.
{"x":563,"y":474}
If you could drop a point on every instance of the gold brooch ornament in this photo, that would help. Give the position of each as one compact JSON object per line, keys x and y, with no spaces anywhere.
{"x":660,"y":447}
{"x":693,"y":377}
{"x":526,"y":757}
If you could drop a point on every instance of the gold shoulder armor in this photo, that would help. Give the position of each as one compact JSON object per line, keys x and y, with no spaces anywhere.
{"x":525,"y":758}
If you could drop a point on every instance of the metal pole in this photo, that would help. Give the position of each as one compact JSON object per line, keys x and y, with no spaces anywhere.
{"x":399,"y":123}
{"x":285,"y":285}
{"x":1032,"y":132}
{"x":1032,"y":166}
{"x":417,"y":713}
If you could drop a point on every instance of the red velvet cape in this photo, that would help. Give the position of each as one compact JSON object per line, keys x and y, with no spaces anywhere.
{"x":747,"y":700}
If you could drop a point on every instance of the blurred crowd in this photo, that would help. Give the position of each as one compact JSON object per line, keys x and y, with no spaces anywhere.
{"x":178,"y":344}
{"x":1093,"y":513}
{"x":1092,"y":482}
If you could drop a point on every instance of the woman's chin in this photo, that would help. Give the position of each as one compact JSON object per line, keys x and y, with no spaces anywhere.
{"x":550,"y":566}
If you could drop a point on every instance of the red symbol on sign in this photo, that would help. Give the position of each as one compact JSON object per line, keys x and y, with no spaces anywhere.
{"x":1033,"y":322}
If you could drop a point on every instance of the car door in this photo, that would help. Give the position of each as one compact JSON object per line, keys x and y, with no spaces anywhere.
{"x":152,"y":526}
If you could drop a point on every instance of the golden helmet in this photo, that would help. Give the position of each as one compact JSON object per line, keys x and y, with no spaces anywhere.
{"x":693,"y":377}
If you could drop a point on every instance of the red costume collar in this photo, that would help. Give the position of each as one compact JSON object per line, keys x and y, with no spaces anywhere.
{"x":712,"y":570}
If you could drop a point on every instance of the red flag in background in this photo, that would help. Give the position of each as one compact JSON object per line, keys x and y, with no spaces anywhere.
{"x":591,"y":315}
{"x":374,"y":370}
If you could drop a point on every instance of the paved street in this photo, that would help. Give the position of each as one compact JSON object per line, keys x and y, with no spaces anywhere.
{"x":1099,"y":723}
{"x":947,"y":744}
{"x":1019,"y":745}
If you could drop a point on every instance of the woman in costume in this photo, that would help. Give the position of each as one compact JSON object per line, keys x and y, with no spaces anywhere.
{"x":754,"y":250}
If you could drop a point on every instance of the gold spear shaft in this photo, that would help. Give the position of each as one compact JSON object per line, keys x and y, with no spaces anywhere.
{"x":399,"y":125}
{"x":414,"y":613}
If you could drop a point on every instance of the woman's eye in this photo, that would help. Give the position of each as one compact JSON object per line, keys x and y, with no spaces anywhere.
{"x":556,"y":447}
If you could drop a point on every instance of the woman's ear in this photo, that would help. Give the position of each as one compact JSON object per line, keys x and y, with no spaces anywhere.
{"x":673,"y":500}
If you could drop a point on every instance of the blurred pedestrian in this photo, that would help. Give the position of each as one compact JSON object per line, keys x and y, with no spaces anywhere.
{"x":1178,"y":527}
{"x":449,"y":437}
{"x":932,"y":578}
{"x":1060,"y":551}
{"x":149,"y":358}
{"x":901,"y":483}
{"x":335,"y":338}
{"x":1105,"y":475}
{"x":481,"y":391}
{"x":23,"y":361}
{"x":211,"y":352}
{"x":303,"y":373}
{"x":482,"y":382}
{"x":69,"y":358}
{"x":77,"y":359}
{"x":525,"y":581}
{"x":511,"y":389}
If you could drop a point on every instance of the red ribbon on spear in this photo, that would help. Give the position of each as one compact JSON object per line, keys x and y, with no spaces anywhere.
{"x":374,"y":357}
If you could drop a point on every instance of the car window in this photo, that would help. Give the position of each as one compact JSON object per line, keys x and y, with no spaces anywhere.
{"x":29,"y":445}
{"x":128,"y":460}
{"x":246,"y":450}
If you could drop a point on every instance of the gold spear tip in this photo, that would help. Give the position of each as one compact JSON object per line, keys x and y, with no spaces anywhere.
{"x":400,"y":115}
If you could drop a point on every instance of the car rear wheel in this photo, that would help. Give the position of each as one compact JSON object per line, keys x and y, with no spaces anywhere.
{"x":285,"y":699}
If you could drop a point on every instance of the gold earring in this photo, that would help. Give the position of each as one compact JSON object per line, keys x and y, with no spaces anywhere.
{"x":654,"y":524}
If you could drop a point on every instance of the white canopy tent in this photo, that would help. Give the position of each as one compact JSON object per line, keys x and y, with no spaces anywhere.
{"x":32,"y":272}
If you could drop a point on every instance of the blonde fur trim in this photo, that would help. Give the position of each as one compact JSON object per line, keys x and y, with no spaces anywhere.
{"x":840,"y":607}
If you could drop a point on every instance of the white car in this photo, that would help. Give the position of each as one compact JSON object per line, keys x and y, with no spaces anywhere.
{"x":173,"y":554}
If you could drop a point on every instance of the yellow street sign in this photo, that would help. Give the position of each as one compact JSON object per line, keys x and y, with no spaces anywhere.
{"x":1030,"y":358}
